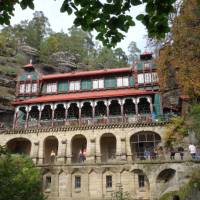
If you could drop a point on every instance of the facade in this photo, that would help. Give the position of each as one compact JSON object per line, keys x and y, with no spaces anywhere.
{"x":92,"y":132}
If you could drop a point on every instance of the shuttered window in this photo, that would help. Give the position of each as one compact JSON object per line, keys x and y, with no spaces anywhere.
{"x":86,"y":85}
{"x":122,"y":81}
{"x":74,"y":85}
{"x":110,"y":82}
{"x":98,"y":84}
{"x":51,"y":87}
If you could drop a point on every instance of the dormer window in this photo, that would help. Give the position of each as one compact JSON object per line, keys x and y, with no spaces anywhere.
{"x":27,"y":88}
{"x":51,"y":87}
{"x":98,"y":84}
{"x":74,"y":85}
{"x":21,"y":88}
{"x":122,"y":81}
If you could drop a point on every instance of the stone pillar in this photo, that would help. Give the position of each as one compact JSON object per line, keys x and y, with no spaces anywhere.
{"x":118,"y":148}
{"x":34,"y":152}
{"x":69,"y":151}
{"x":40,"y":153}
{"x":90,"y":150}
{"x":98,"y":150}
{"x":61,"y":152}
{"x":128,"y":150}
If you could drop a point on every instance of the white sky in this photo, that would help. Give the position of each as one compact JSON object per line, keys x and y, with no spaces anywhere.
{"x":61,"y":21}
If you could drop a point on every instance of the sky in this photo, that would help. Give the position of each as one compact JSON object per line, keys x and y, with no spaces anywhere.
{"x":62,"y":21}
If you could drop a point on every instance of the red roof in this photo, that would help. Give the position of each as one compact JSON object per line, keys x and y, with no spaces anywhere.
{"x":86,"y":73}
{"x":84,"y":95}
{"x":28,"y":65}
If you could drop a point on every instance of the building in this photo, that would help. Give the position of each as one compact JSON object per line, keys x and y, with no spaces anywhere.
{"x":94,"y":131}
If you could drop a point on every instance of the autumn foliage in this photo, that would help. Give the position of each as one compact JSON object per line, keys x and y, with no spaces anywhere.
{"x":179,"y":60}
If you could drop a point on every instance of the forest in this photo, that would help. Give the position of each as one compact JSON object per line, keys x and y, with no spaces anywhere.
{"x":38,"y":35}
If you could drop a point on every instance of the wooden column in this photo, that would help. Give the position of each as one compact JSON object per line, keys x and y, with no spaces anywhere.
{"x":27,"y":116}
{"x":41,"y":107}
{"x":66,"y":106}
{"x":53,"y":106}
{"x":151,"y":105}
{"x":94,"y":103}
{"x":79,"y":114}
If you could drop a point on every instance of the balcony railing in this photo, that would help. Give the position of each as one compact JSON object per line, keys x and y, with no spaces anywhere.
{"x":112,"y":119}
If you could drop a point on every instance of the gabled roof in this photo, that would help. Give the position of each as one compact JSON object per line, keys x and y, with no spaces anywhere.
{"x":84,"y":95}
{"x":86,"y":73}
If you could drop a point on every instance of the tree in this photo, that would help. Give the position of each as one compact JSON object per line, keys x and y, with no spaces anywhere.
{"x":180,"y":56}
{"x":19,"y":179}
{"x":110,"y":19}
{"x":37,"y":29}
{"x":134,"y":51}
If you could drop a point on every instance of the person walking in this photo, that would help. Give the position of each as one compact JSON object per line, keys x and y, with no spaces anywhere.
{"x":181,"y":152}
{"x":172,"y":153}
{"x":192,"y":150}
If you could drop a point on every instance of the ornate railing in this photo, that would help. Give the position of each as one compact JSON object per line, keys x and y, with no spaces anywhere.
{"x":112,"y":119}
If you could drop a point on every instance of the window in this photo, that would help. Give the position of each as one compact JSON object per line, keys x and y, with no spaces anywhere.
{"x":146,"y":65}
{"x":154,"y":77}
{"x":51,"y":87}
{"x":77,"y":182}
{"x":98,"y":84}
{"x":22,"y":88}
{"x":48,"y":182}
{"x":34,"y":88}
{"x":108,"y":181}
{"x":28,"y":88}
{"x":74,"y":85}
{"x":141,"y":180}
{"x":122,"y":81}
{"x":140,"y":78}
{"x":147,"y":78}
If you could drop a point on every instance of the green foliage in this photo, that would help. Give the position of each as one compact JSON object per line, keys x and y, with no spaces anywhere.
{"x":134,"y":51}
{"x":120,"y":195}
{"x":110,"y":19}
{"x":19,"y":179}
{"x":176,"y":130}
{"x":194,"y":120}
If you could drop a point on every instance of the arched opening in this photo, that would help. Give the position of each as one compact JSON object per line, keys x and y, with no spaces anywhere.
{"x":114,"y":108}
{"x":21,"y":117}
{"x":73,"y":114}
{"x":144,"y":106}
{"x":108,"y":147}
{"x":100,"y":109}
{"x":143,"y":145}
{"x":86,"y":110}
{"x":165,"y":175}
{"x":59,"y":115}
{"x":129,"y":107}
{"x":79,"y":148}
{"x":33,"y":116}
{"x":100,"y":113}
{"x":46,"y":116}
{"x":19,"y":146}
{"x":50,"y":149}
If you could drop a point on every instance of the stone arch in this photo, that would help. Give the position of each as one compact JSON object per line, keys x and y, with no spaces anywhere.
{"x":108,"y":147}
{"x":78,"y":147}
{"x":165,"y":175}
{"x":165,"y":181}
{"x":143,"y":144}
{"x":50,"y":149}
{"x":19,"y":146}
